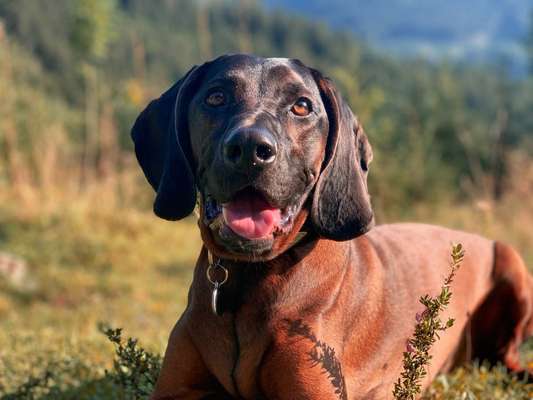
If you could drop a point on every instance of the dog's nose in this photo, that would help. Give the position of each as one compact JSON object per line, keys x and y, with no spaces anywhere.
{"x":247,"y":148}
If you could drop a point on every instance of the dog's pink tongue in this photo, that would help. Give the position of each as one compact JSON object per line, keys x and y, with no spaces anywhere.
{"x":250,"y":216}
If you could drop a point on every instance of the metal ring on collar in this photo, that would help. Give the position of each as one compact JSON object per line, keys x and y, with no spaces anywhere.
{"x":209,"y":273}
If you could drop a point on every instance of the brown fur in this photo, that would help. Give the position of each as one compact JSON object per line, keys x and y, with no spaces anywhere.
{"x":360,"y":299}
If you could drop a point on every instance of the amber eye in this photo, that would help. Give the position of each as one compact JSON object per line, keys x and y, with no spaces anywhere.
{"x":215,"y":99}
{"x":302,"y":107}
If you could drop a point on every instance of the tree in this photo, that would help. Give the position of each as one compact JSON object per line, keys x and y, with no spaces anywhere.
{"x":91,"y":28}
{"x":89,"y":36}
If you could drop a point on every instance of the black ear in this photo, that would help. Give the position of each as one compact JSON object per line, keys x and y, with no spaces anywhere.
{"x":341,"y":208}
{"x":162,"y":147}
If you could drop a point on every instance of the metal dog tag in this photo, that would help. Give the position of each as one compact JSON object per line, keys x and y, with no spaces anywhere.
{"x":211,"y":277}
{"x":214,"y":298}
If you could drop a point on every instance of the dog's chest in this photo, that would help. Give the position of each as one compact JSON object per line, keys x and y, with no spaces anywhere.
{"x":233,"y":346}
{"x":257,"y":310}
{"x":254,"y":337}
{"x":234,"y":343}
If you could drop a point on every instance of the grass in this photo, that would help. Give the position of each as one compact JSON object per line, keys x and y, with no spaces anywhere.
{"x":91,"y":261}
{"x":480,"y":382}
{"x":88,"y":265}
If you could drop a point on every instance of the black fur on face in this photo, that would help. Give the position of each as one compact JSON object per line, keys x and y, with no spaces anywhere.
{"x":313,"y":164}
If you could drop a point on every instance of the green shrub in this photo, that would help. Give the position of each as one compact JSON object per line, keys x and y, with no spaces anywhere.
{"x":417,"y":358}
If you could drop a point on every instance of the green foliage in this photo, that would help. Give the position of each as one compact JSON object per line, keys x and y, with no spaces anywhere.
{"x":40,"y":28}
{"x":417,"y":358}
{"x":135,"y":370}
{"x":90,"y":27}
{"x":61,"y":380}
{"x":132,"y":376}
{"x":480,"y":382}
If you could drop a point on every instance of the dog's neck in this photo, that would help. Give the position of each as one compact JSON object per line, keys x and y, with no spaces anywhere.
{"x":244,"y":277}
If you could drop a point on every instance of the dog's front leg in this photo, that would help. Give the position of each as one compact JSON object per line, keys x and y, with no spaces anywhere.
{"x":302,"y":367}
{"x":184,"y":375}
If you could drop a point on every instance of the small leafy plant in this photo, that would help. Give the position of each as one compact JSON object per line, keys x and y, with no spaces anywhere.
{"x":135,"y":370}
{"x":427,"y":329}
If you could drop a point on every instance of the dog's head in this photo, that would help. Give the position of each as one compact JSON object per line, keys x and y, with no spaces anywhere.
{"x":263,"y":145}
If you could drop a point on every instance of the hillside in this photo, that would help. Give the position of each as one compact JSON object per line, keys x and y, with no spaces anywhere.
{"x":114,"y":56}
{"x":477,"y":30}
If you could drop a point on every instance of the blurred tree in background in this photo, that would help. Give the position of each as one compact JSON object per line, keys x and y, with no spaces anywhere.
{"x":89,"y":33}
{"x":82,"y":70}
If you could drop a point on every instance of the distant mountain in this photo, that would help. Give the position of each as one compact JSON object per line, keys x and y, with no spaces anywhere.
{"x":471,"y":30}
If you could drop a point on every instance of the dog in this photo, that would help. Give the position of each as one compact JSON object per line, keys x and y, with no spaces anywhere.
{"x":296,"y":295}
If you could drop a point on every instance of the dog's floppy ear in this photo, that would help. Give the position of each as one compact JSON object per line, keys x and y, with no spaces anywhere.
{"x":162,"y":147}
{"x":341,"y":208}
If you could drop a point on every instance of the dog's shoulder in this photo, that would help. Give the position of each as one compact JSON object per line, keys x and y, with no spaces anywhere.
{"x":431,"y":243}
{"x":423,"y":232}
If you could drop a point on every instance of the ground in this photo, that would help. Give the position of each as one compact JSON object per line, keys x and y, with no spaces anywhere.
{"x":89,"y":267}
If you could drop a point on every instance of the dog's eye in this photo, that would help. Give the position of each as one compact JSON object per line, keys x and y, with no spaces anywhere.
{"x":215,"y":99}
{"x":302,"y":107}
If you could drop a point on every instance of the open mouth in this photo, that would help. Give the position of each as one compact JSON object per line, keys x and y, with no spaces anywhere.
{"x":248,"y":216}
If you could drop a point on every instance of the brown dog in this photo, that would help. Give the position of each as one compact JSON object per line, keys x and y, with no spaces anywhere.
{"x":273,"y":153}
